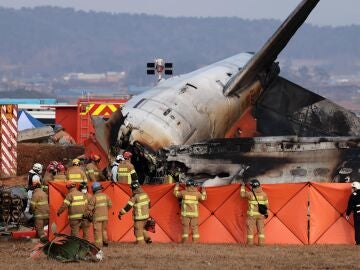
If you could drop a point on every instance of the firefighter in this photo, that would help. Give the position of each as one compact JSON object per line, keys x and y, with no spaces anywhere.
{"x":35,"y":171}
{"x":190,"y":198}
{"x":39,"y":207}
{"x":92,"y":170}
{"x":50,"y":172}
{"x":83,"y":188}
{"x":75,"y":173}
{"x":60,"y":173}
{"x":172,"y":175}
{"x":126,"y":170}
{"x":141,"y":203}
{"x":114,"y":167}
{"x":354,"y":206}
{"x":76,"y":202}
{"x":97,"y":210}
{"x":61,"y":136}
{"x":255,"y":197}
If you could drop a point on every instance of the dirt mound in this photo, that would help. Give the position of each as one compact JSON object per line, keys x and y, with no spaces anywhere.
{"x":14,"y":181}
{"x":30,"y":153}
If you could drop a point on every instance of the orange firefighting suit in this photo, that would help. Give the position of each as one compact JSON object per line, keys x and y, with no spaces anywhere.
{"x":97,"y":209}
{"x":141,"y":203}
{"x":253,"y":215}
{"x":190,"y":210}
{"x":39,"y":206}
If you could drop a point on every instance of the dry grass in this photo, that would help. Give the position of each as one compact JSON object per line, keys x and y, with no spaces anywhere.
{"x":14,"y":255}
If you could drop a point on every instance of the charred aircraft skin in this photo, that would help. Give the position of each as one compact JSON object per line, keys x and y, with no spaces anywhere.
{"x":270,"y":159}
{"x":165,"y":125}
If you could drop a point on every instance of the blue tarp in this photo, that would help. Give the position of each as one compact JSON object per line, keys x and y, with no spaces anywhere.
{"x":26,"y":121}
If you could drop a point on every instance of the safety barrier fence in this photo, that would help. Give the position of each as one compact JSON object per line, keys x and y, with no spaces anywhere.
{"x":300,"y":213}
{"x":8,"y":139}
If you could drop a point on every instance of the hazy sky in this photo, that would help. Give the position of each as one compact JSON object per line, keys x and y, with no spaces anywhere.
{"x":327,"y":12}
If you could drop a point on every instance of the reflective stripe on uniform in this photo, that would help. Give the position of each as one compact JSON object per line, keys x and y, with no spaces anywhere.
{"x":66,"y":202}
{"x":101,"y":218}
{"x":191,"y":202}
{"x":255,"y":202}
{"x":185,"y":235}
{"x":189,"y":214}
{"x":140,"y":238}
{"x":249,"y":236}
{"x":261,"y":236}
{"x":142,"y":197}
{"x":78,"y":203}
{"x":74,"y":175}
{"x":190,"y":197}
{"x":76,"y":216}
{"x":39,"y":203}
{"x":100,"y":198}
{"x":253,"y":213}
{"x":100,"y":205}
{"x":41,"y":215}
{"x":196,"y":236}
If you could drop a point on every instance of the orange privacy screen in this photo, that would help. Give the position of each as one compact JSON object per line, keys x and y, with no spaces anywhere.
{"x":303,"y":213}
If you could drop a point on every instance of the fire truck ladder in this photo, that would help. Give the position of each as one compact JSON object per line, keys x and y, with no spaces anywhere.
{"x":84,"y":126}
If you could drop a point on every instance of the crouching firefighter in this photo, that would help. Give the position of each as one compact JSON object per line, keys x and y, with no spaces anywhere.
{"x":97,"y":210}
{"x":39,"y":206}
{"x":75,"y":201}
{"x":190,"y":209}
{"x":141,"y":203}
{"x":257,"y":212}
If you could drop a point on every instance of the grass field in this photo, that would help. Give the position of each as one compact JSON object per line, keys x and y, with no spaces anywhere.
{"x":15,"y":255}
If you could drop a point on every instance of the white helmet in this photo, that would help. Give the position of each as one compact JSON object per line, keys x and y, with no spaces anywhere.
{"x":355,"y":185}
{"x":119,"y":158}
{"x":37,"y":167}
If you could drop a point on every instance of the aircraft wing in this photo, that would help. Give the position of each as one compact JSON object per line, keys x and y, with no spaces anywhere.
{"x":262,"y":61}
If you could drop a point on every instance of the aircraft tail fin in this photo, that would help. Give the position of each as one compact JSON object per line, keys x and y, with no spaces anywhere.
{"x":264,"y":58}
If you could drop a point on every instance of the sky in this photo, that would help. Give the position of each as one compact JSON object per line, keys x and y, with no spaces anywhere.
{"x":327,"y":12}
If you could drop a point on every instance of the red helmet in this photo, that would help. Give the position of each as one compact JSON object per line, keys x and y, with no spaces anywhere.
{"x":70,"y":185}
{"x":54,"y":163}
{"x":127,"y":155}
{"x":51,"y":168}
{"x":60,"y":168}
{"x":95,"y":157}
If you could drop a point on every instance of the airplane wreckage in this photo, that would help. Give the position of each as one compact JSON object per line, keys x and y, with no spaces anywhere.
{"x":187,"y":123}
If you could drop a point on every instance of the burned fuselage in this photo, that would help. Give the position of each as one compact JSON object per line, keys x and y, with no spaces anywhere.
{"x":270,"y":159}
{"x":165,"y":126}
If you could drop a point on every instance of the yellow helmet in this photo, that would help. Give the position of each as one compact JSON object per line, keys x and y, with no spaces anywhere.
{"x":76,"y":162}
